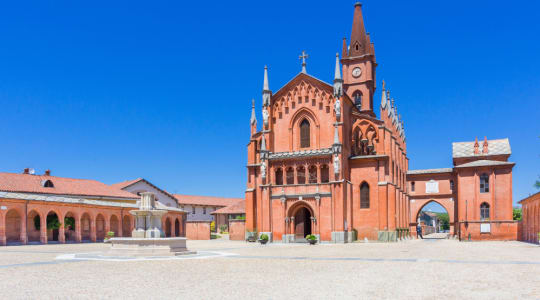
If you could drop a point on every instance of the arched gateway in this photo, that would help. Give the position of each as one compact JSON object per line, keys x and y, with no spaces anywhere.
{"x":418,"y":205}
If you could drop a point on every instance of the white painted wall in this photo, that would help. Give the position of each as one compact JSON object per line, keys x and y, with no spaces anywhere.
{"x":199,"y":214}
{"x":161,"y":197}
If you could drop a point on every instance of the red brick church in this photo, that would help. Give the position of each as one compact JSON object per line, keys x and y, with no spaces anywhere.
{"x":324,"y":163}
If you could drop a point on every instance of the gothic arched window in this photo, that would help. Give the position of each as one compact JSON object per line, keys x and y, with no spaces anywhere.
{"x":312,"y":174}
{"x":325,"y":174}
{"x":304,"y":134}
{"x":484,"y":183}
{"x":301,"y":175}
{"x":358,"y":99}
{"x":484,"y":211}
{"x":290,"y":176}
{"x":364,"y":195}
{"x":279,"y":176}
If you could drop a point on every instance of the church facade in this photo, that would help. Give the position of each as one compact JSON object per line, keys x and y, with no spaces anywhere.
{"x":323,"y":163}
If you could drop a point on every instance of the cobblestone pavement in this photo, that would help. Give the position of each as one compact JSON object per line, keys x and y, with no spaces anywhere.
{"x":223,"y":269}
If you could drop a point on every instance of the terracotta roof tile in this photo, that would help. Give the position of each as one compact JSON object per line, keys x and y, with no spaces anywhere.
{"x":236,"y":208}
{"x":123,"y":184}
{"x":26,"y":183}
{"x":205,"y":200}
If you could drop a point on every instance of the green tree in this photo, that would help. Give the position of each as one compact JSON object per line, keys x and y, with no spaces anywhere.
{"x":517,"y":214}
{"x":537,"y":184}
{"x":445,"y":220}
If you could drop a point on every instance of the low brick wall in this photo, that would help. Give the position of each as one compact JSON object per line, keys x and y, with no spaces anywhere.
{"x":237,"y":230}
{"x":500,"y":231}
{"x":198,"y":230}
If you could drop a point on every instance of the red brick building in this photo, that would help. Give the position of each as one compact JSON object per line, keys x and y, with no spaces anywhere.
{"x":476,"y":192}
{"x":531,"y":218}
{"x":323,"y":163}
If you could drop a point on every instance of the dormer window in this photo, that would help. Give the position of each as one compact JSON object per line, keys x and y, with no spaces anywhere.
{"x":47,"y":183}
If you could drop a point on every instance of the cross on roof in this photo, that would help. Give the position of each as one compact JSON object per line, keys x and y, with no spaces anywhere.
{"x":303,"y":58}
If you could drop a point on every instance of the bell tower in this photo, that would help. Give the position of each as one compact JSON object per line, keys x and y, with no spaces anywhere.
{"x":359,"y":65}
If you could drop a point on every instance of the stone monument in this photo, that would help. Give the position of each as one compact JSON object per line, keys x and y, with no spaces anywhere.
{"x":147,"y":237}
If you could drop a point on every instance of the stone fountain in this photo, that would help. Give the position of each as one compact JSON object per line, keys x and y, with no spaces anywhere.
{"x":147,"y":237}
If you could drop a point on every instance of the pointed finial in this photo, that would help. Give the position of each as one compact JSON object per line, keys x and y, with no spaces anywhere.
{"x":338,"y":82}
{"x":303,"y":58}
{"x":266,"y":89}
{"x":336,"y":135}
{"x":266,"y":86}
{"x":263,"y":144}
{"x":384,"y":98}
{"x":253,"y":117}
{"x":337,"y":73}
{"x":383,"y":85}
{"x":345,"y":49}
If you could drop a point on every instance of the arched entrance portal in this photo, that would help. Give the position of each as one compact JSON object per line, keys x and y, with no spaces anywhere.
{"x":434,"y":220}
{"x":302,"y":223}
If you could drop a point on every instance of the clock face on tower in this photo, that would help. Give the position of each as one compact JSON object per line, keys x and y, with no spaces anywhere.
{"x":356,"y":72}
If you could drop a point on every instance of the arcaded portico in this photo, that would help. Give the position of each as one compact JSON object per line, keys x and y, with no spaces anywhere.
{"x":42,"y":209}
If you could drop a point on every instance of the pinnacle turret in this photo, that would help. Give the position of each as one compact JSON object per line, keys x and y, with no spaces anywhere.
{"x":338,"y":82}
{"x":253,"y":120}
{"x":267,"y":93}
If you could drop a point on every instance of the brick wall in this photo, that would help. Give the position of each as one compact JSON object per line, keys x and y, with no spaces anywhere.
{"x":237,"y":230}
{"x":198,"y":230}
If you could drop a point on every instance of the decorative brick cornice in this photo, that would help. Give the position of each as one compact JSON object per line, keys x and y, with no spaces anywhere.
{"x":300,"y":154}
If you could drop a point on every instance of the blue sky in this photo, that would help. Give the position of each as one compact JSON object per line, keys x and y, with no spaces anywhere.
{"x":123,"y":89}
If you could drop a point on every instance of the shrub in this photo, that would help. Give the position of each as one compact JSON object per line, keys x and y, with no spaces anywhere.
{"x":311,"y":237}
{"x":264,"y":237}
{"x":110,"y":234}
{"x":252,"y":235}
{"x":240,"y":218}
{"x":223,"y":228}
{"x":213,"y":226}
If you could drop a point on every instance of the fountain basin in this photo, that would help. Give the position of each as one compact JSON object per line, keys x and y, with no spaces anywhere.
{"x":148,"y":246}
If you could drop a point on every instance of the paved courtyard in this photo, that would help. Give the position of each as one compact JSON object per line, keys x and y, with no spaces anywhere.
{"x":418,"y":269}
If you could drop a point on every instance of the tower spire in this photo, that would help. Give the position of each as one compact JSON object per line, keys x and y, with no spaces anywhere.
{"x":359,"y":43}
{"x":266,"y":88}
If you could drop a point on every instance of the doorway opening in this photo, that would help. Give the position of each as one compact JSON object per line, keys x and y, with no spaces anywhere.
{"x":302,"y":224}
